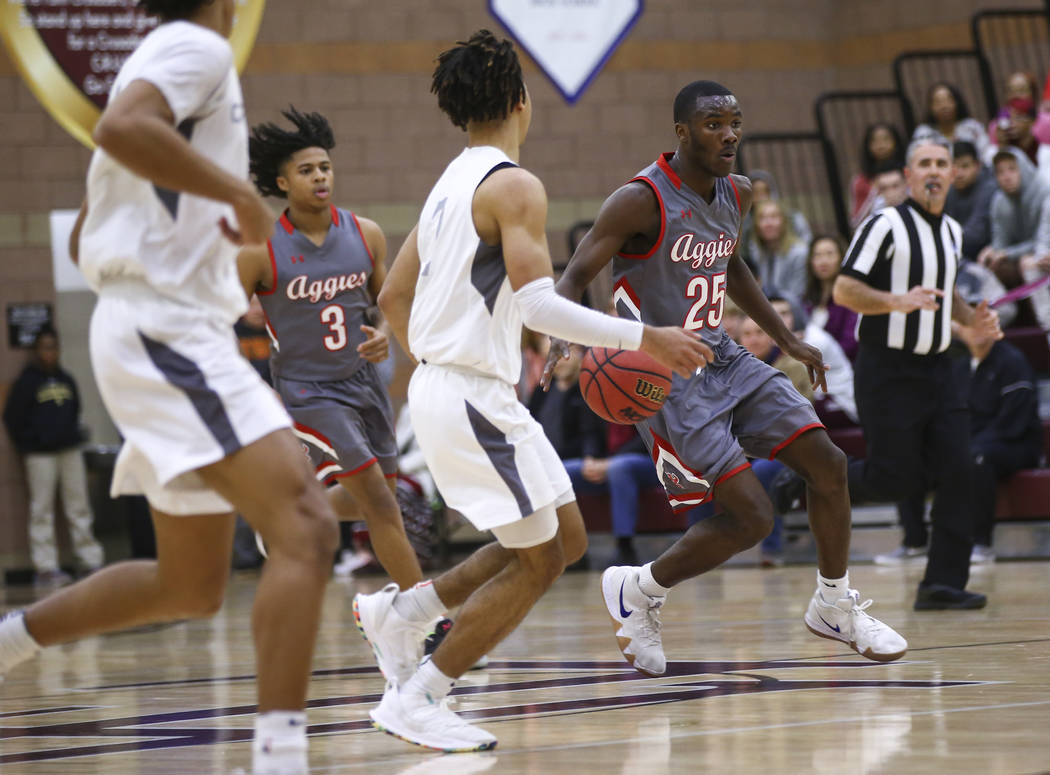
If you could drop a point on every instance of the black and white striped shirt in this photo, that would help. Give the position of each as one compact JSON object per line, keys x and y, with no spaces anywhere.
{"x":895,"y":250}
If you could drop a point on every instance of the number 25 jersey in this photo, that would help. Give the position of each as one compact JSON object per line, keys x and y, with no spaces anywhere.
{"x":681,"y":280}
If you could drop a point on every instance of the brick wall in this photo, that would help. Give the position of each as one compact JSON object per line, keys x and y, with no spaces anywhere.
{"x":366,"y":65}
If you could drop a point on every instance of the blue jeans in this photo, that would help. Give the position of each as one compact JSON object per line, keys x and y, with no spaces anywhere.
{"x":626,"y":476}
{"x":766,"y":471}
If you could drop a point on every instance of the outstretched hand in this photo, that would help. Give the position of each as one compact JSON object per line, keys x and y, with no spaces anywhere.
{"x":683,"y":352}
{"x":810,"y":357}
{"x":986,"y":321}
{"x":559,"y":350}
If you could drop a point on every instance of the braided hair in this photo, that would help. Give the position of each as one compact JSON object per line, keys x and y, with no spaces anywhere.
{"x":171,"y":9}
{"x":478,"y":80}
{"x":270,"y":146}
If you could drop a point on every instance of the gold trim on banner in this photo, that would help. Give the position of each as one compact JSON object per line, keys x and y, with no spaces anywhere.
{"x":73,"y":111}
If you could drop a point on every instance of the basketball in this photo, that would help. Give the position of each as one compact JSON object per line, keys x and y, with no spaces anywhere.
{"x":623,"y":386}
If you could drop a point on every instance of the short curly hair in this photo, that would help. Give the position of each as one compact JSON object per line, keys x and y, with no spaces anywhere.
{"x":478,"y":80}
{"x":171,"y":9}
{"x":270,"y":146}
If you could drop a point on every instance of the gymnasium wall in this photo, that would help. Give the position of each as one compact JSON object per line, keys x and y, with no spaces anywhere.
{"x":366,"y":64}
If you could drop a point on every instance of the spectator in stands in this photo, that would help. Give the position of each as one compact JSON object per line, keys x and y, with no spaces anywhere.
{"x":948,"y":115}
{"x":777,"y":255}
{"x":1005,"y":433}
{"x":970,"y":198}
{"x":764,"y":187}
{"x":1016,"y":132}
{"x":1024,"y":85}
{"x":822,"y":267}
{"x":889,"y":184}
{"x":42,"y":416}
{"x":1017,"y":208}
{"x":881,"y":142}
{"x":1036,"y":266}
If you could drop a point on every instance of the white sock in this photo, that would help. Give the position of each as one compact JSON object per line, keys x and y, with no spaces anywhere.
{"x":280,"y":743}
{"x":16,"y":644}
{"x":430,"y":681}
{"x":420,"y":603}
{"x":648,"y":584}
{"x":832,"y":590}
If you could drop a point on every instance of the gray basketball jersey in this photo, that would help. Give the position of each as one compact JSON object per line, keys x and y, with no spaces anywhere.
{"x":317,"y":305}
{"x":681,"y":281}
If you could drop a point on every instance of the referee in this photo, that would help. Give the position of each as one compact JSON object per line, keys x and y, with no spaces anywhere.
{"x":899,"y":275}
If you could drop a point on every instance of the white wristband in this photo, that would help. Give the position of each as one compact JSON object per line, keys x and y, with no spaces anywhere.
{"x":543,"y":310}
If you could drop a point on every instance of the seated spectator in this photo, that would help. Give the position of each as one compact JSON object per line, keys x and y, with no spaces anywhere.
{"x":764,"y":187}
{"x":1015,"y":131}
{"x":43,"y":417}
{"x":839,"y":376}
{"x":882,"y":142}
{"x":1021,"y":84}
{"x":1036,"y":266}
{"x":1016,"y":212}
{"x":947,"y":115}
{"x":970,"y":198}
{"x":822,"y":267}
{"x":889,"y":184}
{"x":1005,"y":433}
{"x":776,"y":254}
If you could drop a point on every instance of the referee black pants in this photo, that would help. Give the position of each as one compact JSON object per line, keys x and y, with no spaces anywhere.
{"x":916,"y":425}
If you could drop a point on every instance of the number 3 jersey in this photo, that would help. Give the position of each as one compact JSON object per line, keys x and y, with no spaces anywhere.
{"x":316,"y":307}
{"x":681,"y":280}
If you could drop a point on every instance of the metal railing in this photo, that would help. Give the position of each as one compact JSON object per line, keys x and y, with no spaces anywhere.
{"x":1012,"y":40}
{"x":914,"y":72}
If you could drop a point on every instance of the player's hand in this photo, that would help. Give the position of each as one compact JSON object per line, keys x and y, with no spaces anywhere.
{"x":919,"y":298}
{"x":810,"y":357}
{"x":596,"y":471}
{"x":559,"y":351}
{"x":986,"y":321}
{"x":1043,"y":262}
{"x":254,"y":220}
{"x":681,"y":351}
{"x":376,"y":347}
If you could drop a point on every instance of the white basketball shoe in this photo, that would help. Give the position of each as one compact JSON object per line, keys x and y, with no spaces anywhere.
{"x":636,"y":619}
{"x":846,"y":620}
{"x":396,"y":642}
{"x":416,"y":718}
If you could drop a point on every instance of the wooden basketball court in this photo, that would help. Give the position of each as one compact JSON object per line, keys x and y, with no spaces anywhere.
{"x":748,"y":689}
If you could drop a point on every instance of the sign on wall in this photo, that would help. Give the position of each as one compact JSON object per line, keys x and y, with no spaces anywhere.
{"x":25,"y":319}
{"x":571,"y":40}
{"x":69,"y":51}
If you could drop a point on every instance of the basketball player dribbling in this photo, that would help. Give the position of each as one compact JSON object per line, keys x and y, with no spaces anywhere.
{"x":474,"y":268}
{"x":316,"y":278}
{"x":671,"y":234}
{"x":167,"y":197}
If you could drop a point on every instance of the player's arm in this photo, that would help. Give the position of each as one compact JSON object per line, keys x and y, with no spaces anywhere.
{"x":510,"y":209}
{"x":254,"y":269}
{"x":74,"y":235}
{"x":376,"y":347}
{"x":399,"y":289}
{"x":137,"y":129}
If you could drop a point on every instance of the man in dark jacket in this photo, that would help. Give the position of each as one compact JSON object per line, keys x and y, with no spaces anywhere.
{"x":970,"y":198}
{"x":1005,"y":433}
{"x":42,"y":416}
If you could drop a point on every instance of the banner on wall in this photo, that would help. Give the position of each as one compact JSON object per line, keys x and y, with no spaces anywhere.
{"x":69,"y":52}
{"x":570,"y":40}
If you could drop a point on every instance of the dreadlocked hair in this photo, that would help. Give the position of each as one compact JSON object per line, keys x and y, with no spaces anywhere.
{"x":171,"y":9}
{"x":270,"y":146}
{"x":478,"y":80}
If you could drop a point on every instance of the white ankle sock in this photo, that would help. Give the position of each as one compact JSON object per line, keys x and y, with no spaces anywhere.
{"x":280,"y":743}
{"x":16,"y":644}
{"x":832,"y":590}
{"x":648,"y":584}
{"x":430,"y":681}
{"x":420,"y":603}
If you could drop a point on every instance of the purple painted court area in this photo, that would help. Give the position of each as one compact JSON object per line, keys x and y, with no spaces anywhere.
{"x":694,"y":686}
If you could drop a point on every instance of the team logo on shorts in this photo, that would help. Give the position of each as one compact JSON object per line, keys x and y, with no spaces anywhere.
{"x":672,"y":477}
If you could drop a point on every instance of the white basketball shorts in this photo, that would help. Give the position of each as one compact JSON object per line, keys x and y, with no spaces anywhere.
{"x":180,"y":393}
{"x":489,"y":458}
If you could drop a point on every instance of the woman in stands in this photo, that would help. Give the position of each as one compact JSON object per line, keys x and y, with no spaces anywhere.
{"x":948,"y":115}
{"x":882,"y":142}
{"x":822,"y":267}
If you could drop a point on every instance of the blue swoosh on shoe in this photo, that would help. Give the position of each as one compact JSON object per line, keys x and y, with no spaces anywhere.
{"x":836,"y":628}
{"x":623,"y":611}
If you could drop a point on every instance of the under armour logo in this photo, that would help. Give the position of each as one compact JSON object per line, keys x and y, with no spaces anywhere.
{"x":687,"y":213}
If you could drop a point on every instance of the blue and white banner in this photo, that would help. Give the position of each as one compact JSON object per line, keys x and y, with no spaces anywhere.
{"x":571,"y":40}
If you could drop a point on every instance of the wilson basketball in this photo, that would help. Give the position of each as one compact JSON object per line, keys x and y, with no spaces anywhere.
{"x":623,"y":386}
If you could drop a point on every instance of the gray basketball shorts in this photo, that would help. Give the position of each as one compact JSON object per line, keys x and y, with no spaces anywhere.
{"x":344,"y":426}
{"x":735,"y":408}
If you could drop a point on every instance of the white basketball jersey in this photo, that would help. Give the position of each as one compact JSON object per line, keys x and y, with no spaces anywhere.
{"x":464,"y":312}
{"x":168,"y":239}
